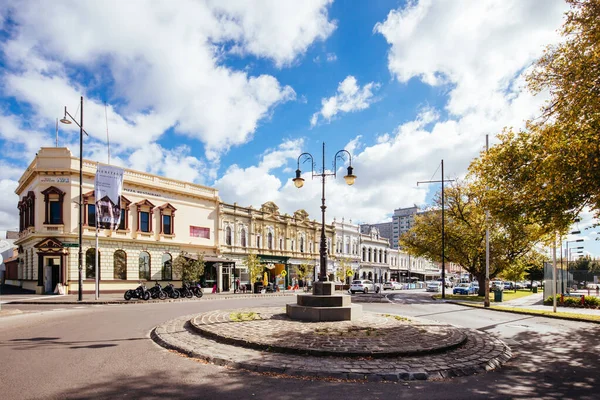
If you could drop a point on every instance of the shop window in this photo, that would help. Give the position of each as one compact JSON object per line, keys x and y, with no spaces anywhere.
{"x":167,"y":267}
{"x":53,"y":200}
{"x":145,"y":211}
{"x":167,"y":219}
{"x":90,"y":264}
{"x":120,"y":265}
{"x":144,"y":273}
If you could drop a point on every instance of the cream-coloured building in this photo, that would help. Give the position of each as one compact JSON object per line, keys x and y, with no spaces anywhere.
{"x":161,"y":218}
{"x":281,"y":241}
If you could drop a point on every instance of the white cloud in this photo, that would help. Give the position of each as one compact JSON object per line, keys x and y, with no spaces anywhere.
{"x":479,"y":47}
{"x":331,"y":57}
{"x":163,"y":63}
{"x":350,"y":97}
{"x":258,"y":184}
{"x":174,"y":163}
{"x":9,"y":214}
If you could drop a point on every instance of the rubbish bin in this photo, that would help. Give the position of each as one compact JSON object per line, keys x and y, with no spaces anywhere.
{"x":498,"y":296}
{"x":258,"y":286}
{"x":535,"y":289}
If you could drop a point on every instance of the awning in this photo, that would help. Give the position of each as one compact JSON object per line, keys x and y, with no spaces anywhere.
{"x":213,"y":259}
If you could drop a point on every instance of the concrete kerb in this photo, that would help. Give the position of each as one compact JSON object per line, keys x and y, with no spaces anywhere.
{"x":481,"y":353}
{"x":522,"y":311}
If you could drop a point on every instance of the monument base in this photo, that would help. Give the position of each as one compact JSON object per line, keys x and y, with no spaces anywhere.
{"x":324,"y":305}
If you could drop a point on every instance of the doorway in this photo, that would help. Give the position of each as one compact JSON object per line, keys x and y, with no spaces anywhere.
{"x":51,"y":273}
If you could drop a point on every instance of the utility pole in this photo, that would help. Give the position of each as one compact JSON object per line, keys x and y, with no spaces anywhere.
{"x":443,"y":230}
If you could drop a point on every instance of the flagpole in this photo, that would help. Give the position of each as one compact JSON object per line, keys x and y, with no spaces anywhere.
{"x":97,"y":251}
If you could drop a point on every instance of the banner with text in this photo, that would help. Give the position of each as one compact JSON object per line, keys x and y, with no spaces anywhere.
{"x":108,"y":186}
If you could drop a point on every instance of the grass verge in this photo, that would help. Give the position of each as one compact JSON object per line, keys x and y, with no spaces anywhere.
{"x":542,"y":313}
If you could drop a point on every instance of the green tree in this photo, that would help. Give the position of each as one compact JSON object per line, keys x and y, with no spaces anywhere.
{"x":189,"y":269}
{"x":303,"y":271}
{"x":551,"y":169}
{"x":341,"y":272}
{"x":254,"y":266}
{"x":465,"y":231}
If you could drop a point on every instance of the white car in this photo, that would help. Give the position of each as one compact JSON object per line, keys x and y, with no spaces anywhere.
{"x":435,"y":286}
{"x":362,"y":285}
{"x":392,"y":285}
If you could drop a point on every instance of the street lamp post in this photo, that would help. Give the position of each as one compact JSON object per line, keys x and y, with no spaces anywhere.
{"x":65,"y":120}
{"x":569,"y":258}
{"x":299,"y":182}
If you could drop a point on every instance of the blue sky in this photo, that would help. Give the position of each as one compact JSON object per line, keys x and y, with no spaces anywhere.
{"x":228,"y":94}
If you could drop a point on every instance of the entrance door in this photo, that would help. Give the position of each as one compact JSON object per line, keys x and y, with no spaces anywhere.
{"x":51,"y":273}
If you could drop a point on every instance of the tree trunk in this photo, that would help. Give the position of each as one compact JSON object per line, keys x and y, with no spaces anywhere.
{"x":481,"y":280}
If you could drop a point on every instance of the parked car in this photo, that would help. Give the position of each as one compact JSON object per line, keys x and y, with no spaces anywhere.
{"x":448,"y":282}
{"x":362,"y":285}
{"x":434,"y":286}
{"x":508,"y":285}
{"x":496,"y":285}
{"x":392,"y":286}
{"x":466,"y":288}
{"x":520,"y":285}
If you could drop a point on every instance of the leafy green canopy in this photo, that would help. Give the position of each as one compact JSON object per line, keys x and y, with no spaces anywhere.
{"x":551,"y":170}
{"x":511,"y":240}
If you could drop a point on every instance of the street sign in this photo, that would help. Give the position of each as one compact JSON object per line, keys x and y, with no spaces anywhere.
{"x":349,"y":273}
{"x":70,"y":244}
{"x":283,"y":273}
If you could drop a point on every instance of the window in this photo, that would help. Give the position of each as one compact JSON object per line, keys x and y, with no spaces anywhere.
{"x":310,"y":246}
{"x":27,"y":211}
{"x":144,"y":210}
{"x":120,"y":265}
{"x":90,"y":264}
{"x":258,"y":241}
{"x":243,"y":237}
{"x":167,"y":267}
{"x":144,"y":266}
{"x":364,"y":256}
{"x":270,"y":240}
{"x":91,"y":215}
{"x":144,"y":221}
{"x":167,"y":219}
{"x":124,"y":222}
{"x":281,"y":244}
{"x":228,"y":236}
{"x":53,"y":198}
{"x":167,"y":230}
{"x":292,"y":245}
{"x":301,"y":245}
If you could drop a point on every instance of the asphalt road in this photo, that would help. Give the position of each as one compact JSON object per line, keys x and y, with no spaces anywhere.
{"x":89,"y":351}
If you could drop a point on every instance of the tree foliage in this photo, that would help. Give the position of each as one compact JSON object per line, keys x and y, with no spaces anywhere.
{"x":550,"y":170}
{"x":254,"y":266}
{"x":465,"y":232}
{"x":341,"y":272}
{"x":189,"y":269}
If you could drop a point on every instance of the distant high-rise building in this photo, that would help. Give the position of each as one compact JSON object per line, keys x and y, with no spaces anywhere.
{"x":402,"y":221}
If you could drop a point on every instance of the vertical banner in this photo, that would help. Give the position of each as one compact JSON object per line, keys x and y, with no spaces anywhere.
{"x":108,"y":186}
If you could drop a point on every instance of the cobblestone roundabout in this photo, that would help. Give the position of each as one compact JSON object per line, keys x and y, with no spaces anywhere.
{"x":374,"y":335}
{"x":378,"y":347}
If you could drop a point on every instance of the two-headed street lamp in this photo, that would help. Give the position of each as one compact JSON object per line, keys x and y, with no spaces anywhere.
{"x":65,"y":120}
{"x":299,"y":182}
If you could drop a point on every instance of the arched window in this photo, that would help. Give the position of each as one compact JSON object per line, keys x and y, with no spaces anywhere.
{"x":90,"y":264}
{"x":281,"y":244}
{"x":270,"y":240}
{"x":310,"y":247}
{"x":228,"y":236}
{"x":364,"y":256}
{"x":370,"y":254}
{"x":167,"y":267}
{"x":243,"y":237}
{"x":145,"y":265}
{"x":120,"y":265}
{"x":301,"y":245}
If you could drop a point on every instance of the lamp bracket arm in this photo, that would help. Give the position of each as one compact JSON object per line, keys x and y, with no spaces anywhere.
{"x":74,"y":120}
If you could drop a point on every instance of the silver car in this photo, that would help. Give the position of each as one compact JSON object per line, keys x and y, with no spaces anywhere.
{"x":362,"y":285}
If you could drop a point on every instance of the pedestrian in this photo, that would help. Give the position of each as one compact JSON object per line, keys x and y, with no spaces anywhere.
{"x":214,"y":288}
{"x":597,"y":290}
{"x":237,"y":285}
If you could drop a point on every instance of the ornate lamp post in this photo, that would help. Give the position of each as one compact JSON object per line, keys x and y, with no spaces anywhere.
{"x":65,"y":120}
{"x":299,"y":182}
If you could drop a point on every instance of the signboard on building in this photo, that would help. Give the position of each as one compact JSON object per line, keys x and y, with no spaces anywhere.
{"x":108,"y":186}
{"x":55,"y":179}
{"x":200,"y":232}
